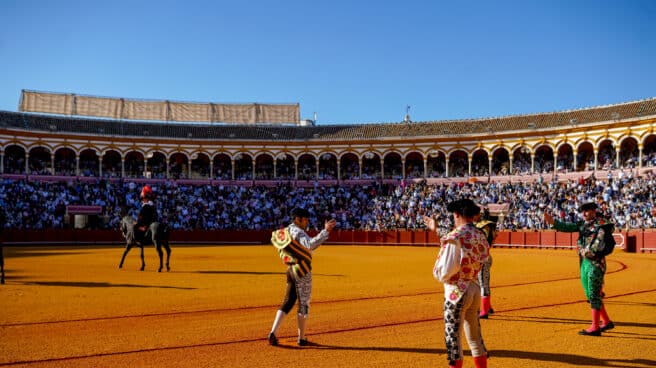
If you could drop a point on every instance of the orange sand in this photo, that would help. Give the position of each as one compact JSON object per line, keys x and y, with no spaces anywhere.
{"x":371,"y":307}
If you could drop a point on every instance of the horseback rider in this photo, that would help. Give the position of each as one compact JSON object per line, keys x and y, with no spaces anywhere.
{"x":147,"y":230}
{"x":147,"y":215}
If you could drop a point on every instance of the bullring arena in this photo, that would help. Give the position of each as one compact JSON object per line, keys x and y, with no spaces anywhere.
{"x":375,"y":303}
{"x":372,"y":307}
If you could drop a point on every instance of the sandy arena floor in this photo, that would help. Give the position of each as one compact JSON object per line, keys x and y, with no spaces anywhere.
{"x":371,"y":307}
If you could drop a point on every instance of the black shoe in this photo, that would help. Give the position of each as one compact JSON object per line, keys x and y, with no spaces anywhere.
{"x":490,"y":311}
{"x":609,"y":326}
{"x":596,"y":332}
{"x":273,"y":340}
{"x":303,"y":342}
{"x":483,"y":316}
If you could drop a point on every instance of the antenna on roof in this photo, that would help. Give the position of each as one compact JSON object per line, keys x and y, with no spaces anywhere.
{"x":407,"y":115}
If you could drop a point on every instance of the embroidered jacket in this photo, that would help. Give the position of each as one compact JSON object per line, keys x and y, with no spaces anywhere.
{"x":591,"y":238}
{"x":295,"y":247}
{"x":462,"y":253}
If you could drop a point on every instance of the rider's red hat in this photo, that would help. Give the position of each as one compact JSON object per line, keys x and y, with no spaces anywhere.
{"x":146,"y":192}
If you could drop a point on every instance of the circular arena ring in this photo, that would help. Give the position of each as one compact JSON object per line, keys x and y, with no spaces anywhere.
{"x":372,"y":307}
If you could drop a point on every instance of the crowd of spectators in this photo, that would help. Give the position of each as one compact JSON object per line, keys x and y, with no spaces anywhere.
{"x":625,"y":199}
{"x":40,"y":163}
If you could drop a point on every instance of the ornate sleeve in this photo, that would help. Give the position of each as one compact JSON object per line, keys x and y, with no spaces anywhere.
{"x":448,"y":260}
{"x":566,"y":227}
{"x":305,"y":240}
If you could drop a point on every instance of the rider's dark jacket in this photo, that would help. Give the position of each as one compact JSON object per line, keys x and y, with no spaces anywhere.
{"x":147,"y":215}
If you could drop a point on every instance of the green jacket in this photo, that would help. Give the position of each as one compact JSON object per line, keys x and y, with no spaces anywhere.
{"x":591,"y":236}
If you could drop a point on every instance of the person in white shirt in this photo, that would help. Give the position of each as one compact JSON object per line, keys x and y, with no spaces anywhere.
{"x":295,"y":248}
{"x":462,"y":254}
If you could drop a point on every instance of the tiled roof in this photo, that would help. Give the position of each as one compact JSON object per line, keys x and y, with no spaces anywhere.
{"x":65,"y":124}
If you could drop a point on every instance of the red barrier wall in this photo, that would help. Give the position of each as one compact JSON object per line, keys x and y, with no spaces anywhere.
{"x":547,"y":238}
{"x":503,"y":237}
{"x":634,"y":240}
{"x":405,"y":237}
{"x":532,"y":239}
{"x":517,"y":237}
{"x":649,"y":242}
{"x":563,"y":240}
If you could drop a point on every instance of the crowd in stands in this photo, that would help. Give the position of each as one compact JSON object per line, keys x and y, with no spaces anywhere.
{"x":625,"y":199}
{"x":41,"y":162}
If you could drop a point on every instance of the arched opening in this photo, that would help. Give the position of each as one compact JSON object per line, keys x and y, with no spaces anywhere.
{"x":156,"y":165}
{"x":243,"y":167}
{"x":544,"y":159}
{"x":285,"y":167}
{"x":649,"y":151}
{"x":264,"y":167}
{"x":89,"y":163}
{"x":393,"y":166}
{"x":200,"y":166}
{"x":111,"y":164}
{"x":480,"y":163}
{"x":606,"y":156}
{"x":14,"y":160}
{"x":458,"y":164}
{"x":307,"y":167}
{"x":414,"y":165}
{"x":134,"y":164}
{"x":585,"y":157}
{"x":222,"y":167}
{"x":500,"y":162}
{"x":522,"y":161}
{"x":349,"y":166}
{"x":565,"y":159}
{"x":40,"y":163}
{"x":629,"y":153}
{"x":436,"y":164}
{"x":65,"y":162}
{"x":178,"y":166}
{"x":327,"y":166}
{"x":370,"y":166}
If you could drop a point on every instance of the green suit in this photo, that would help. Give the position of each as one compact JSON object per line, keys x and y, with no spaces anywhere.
{"x":592,"y":266}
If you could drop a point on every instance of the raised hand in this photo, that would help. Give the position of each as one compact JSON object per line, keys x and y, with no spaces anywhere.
{"x":330,"y":224}
{"x":430,"y":223}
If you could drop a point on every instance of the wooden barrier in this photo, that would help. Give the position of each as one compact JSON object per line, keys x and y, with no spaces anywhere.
{"x":629,"y":241}
{"x":547,"y":239}
{"x":649,"y":242}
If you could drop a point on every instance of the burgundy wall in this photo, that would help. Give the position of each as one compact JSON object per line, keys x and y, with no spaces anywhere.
{"x":631,"y":241}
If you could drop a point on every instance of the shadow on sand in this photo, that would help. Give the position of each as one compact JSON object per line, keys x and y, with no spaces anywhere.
{"x":221,"y":272}
{"x":570,"y":359}
{"x":100,"y":285}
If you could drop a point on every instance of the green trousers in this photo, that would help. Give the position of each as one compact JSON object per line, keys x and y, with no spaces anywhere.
{"x":592,"y":279}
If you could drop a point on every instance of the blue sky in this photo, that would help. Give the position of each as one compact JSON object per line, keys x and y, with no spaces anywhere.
{"x":348,"y":61}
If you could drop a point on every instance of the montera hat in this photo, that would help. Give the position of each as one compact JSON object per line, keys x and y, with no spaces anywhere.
{"x":465,"y":207}
{"x":300,"y":212}
{"x":146,"y":192}
{"x":588,"y":206}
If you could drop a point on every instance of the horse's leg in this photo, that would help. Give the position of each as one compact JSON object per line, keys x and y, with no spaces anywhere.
{"x":143,"y":262}
{"x":2,"y":264}
{"x":125,"y":253}
{"x":158,"y":247}
{"x":155,"y":235}
{"x":165,"y":243}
